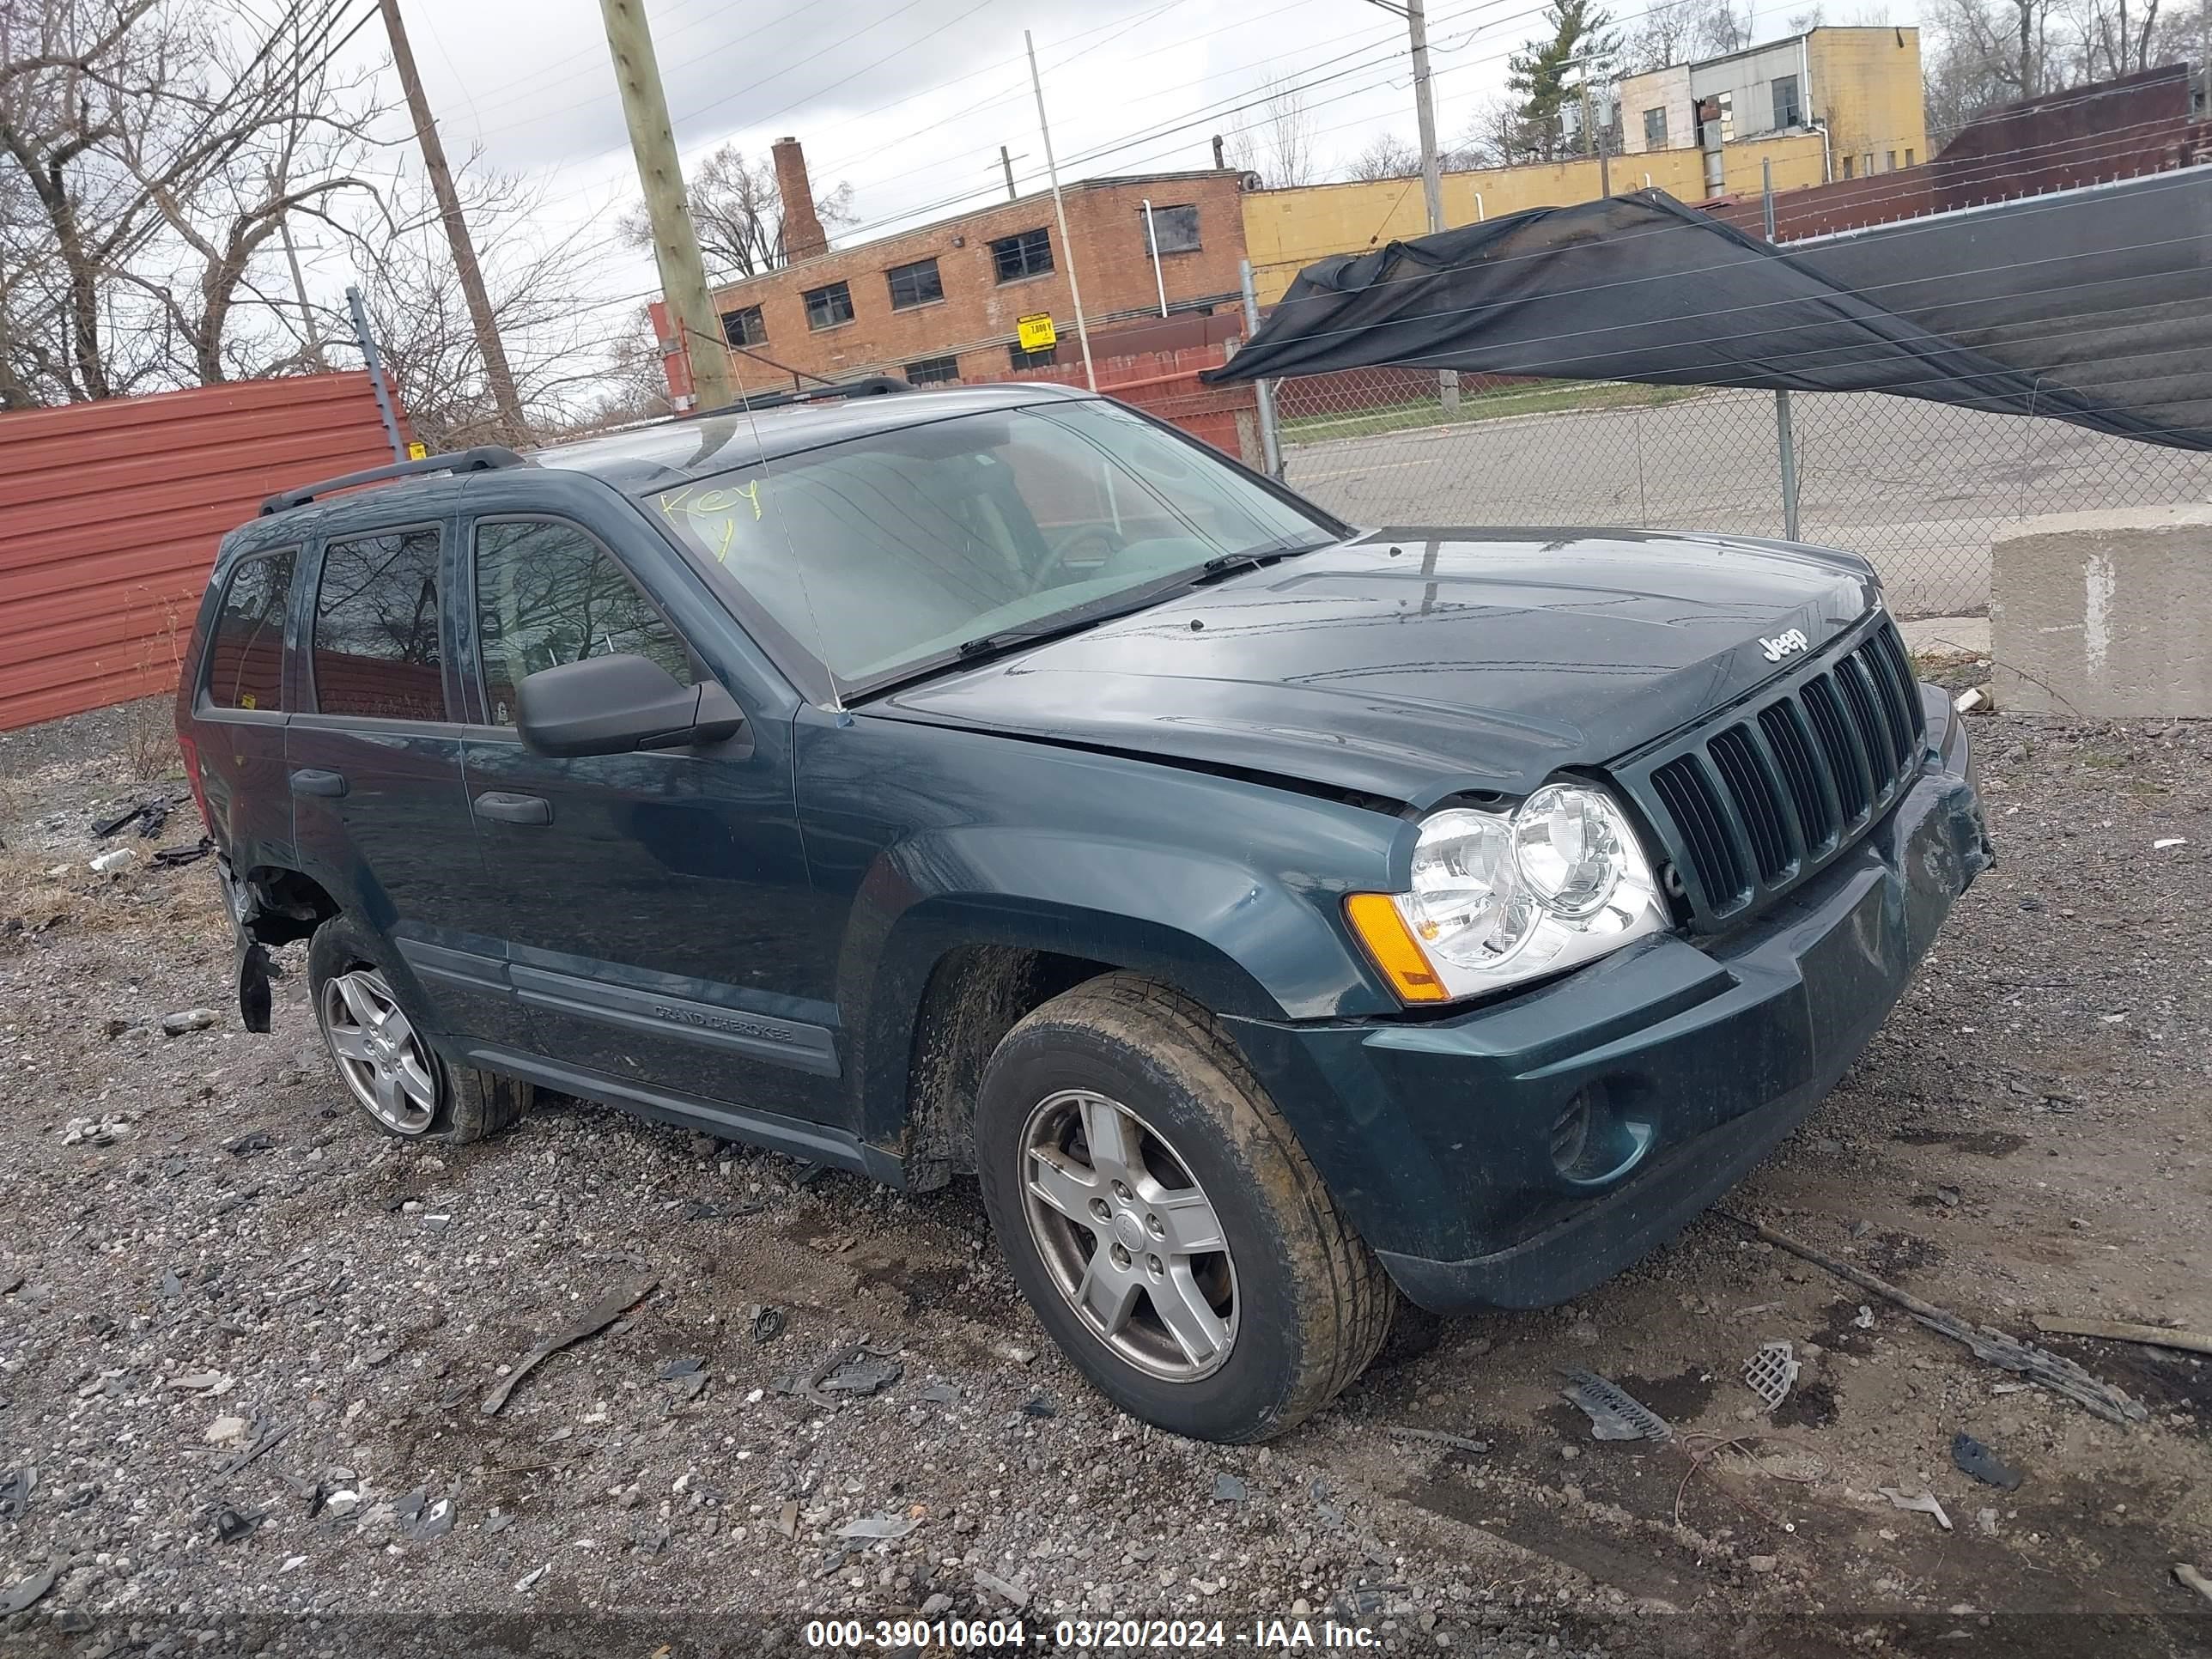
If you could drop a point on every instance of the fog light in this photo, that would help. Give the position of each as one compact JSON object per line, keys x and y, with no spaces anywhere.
{"x":1591,"y":1142}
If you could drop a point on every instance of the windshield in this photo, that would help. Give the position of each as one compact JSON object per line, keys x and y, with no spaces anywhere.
{"x":886,"y":552}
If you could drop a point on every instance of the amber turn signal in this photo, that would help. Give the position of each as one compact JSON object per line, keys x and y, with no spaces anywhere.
{"x":1375,"y":917}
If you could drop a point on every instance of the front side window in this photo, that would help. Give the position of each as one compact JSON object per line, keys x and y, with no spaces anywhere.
{"x":744,"y":326}
{"x":1029,"y":254}
{"x":916,"y":284}
{"x":826,"y":307}
{"x":246,"y":654}
{"x":376,"y":651}
{"x":1175,"y":229}
{"x":546,"y":594}
{"x":888,"y":552}
{"x":1654,"y":128}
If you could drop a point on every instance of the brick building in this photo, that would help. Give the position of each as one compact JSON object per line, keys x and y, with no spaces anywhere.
{"x":941,"y":302}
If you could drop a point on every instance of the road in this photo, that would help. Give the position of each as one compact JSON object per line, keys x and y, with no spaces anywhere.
{"x":1918,"y":488}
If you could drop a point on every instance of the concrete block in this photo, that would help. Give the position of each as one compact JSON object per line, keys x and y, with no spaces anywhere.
{"x":2104,"y":615}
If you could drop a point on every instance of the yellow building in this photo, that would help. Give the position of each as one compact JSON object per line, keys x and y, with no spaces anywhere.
{"x":1286,"y":229}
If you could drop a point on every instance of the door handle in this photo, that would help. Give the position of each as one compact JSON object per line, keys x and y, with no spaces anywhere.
{"x":497,"y":803}
{"x":312,"y":780}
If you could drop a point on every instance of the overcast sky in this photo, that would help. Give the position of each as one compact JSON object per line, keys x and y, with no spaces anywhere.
{"x":908,"y":101}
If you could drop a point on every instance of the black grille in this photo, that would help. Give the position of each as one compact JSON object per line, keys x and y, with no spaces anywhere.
{"x":1757,"y":805}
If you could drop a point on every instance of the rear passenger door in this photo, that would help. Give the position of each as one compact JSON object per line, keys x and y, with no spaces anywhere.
{"x":374,"y":763}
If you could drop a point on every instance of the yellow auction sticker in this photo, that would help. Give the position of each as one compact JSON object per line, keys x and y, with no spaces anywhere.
{"x":1035,"y":331}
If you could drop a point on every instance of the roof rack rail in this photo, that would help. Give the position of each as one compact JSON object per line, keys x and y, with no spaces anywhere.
{"x":871,"y":386}
{"x":484,"y":457}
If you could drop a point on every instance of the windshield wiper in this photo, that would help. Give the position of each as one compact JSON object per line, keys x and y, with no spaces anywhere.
{"x":1226,"y":564}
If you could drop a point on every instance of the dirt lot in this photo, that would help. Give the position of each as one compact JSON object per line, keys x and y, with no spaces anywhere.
{"x":199,"y":1228}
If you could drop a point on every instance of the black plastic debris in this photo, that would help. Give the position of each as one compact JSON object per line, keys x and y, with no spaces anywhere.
{"x":247,"y":1145}
{"x":16,"y":1487}
{"x":142,"y":813}
{"x":230,"y":1526}
{"x":768,"y":1324}
{"x":1615,"y":1413}
{"x":498,"y":1520}
{"x":173,"y":856}
{"x":689,"y":1366}
{"x":1038,"y":1405}
{"x":421,"y":1517}
{"x":809,"y":1174}
{"x":940,"y":1393}
{"x":1973,"y":1458}
{"x":865,"y":1373}
{"x":1228,"y":1489}
{"x":24,"y":1593}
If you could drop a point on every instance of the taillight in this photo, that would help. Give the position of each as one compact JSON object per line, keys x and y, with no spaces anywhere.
{"x":193,"y":772}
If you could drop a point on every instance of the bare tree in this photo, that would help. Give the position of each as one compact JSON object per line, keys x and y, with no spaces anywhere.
{"x":1497,"y":136}
{"x":1278,"y":143}
{"x":1386,"y":156}
{"x":738,"y":213}
{"x":1721,"y":28}
{"x":1669,"y":34}
{"x":149,"y":151}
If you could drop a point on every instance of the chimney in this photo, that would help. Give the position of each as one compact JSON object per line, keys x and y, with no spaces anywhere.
{"x":802,"y":231}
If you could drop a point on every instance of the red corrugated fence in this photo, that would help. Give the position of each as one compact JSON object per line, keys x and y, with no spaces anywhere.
{"x":109,"y":512}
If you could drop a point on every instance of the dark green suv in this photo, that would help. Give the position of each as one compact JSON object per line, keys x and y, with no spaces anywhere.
{"x":1276,"y":916}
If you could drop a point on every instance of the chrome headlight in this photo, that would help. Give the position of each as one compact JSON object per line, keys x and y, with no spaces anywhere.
{"x":1499,"y":898}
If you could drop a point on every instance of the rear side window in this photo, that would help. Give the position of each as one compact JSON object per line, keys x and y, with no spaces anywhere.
{"x":246,"y":657}
{"x":376,"y":629}
{"x":547,"y":594}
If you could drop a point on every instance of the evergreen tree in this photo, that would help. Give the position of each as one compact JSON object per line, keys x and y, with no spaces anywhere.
{"x":1546,"y":77}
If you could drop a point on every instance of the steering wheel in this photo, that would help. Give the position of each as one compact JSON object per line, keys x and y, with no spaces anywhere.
{"x":1092,"y":544}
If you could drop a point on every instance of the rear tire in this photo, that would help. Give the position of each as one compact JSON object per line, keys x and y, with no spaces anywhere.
{"x":1119,"y":1134}
{"x":389,"y":1068}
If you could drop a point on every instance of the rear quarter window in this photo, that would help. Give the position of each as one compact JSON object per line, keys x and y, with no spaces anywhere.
{"x":245,"y":651}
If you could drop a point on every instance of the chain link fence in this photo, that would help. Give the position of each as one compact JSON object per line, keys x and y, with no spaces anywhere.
{"x":1920,"y":489}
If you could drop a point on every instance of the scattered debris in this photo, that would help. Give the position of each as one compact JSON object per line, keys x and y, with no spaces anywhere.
{"x":15,"y":1489}
{"x":2165,"y":841}
{"x":421,"y":1518}
{"x":852,"y":1369}
{"x":676,"y":1368}
{"x":149,"y":814}
{"x":601,"y":1314}
{"x":879,"y":1527}
{"x":787,"y":1520}
{"x":230,"y":1526}
{"x":1013,"y":1595}
{"x":528,"y":1582}
{"x":2053,"y":1371}
{"x":498,"y":1521}
{"x":1923,"y":1504}
{"x":186,"y":1019}
{"x":171,"y":857}
{"x":202,"y":1383}
{"x":253,"y":1145}
{"x":1772,"y":1373}
{"x":1865,"y":1320}
{"x":293,"y":1564}
{"x":1038,"y":1405}
{"x":1969,"y":699}
{"x":768,"y":1324}
{"x":266,"y":1438}
{"x":1987,"y":1521}
{"x":24,"y":1593}
{"x":226,"y":1430}
{"x":1016,"y":1351}
{"x":1228,"y":1489}
{"x":2186,"y":1574}
{"x":1441,"y":1439}
{"x":1973,"y":1458}
{"x":1614,"y":1414}
{"x":108,"y":863}
{"x":940,"y":1393}
{"x":2151,"y":1335}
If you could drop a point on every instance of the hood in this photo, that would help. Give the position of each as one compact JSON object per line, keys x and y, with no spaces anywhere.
{"x":1412,"y":664}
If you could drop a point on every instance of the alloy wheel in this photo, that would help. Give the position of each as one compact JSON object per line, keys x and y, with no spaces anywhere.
{"x":1128,"y":1236}
{"x":382,"y":1059}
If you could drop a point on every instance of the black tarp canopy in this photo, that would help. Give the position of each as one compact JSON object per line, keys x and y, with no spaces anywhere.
{"x":2094,"y":305}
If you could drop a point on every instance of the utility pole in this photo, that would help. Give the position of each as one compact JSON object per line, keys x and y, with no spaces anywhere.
{"x":1060,"y":212}
{"x":675,"y":240}
{"x":457,"y":230}
{"x":1594,"y":135}
{"x":1432,"y":178}
{"x":1007,"y":161}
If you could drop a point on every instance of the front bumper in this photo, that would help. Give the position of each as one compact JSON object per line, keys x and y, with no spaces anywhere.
{"x":1447,"y":1142}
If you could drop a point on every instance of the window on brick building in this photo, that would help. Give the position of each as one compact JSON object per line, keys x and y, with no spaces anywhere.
{"x":1654,"y":128}
{"x":1890,"y":166}
{"x":1021,"y":358}
{"x":744,"y":327}
{"x":826,"y":307}
{"x":932,"y":371}
{"x":1848,"y":165}
{"x":1788,"y":112}
{"x":916,"y":284}
{"x":1175,"y":229}
{"x":1029,"y":254}
{"x":1908,"y":158}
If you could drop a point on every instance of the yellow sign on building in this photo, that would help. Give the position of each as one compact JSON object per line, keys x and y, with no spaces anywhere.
{"x":1035,"y":331}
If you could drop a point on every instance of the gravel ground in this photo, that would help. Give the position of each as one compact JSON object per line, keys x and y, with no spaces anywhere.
{"x":204,"y":1250}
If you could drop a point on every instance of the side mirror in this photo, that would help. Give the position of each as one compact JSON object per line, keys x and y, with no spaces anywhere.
{"x":617,"y":705}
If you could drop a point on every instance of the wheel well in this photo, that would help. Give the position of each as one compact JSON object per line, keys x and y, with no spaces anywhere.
{"x":976,"y":995}
{"x":284,"y":905}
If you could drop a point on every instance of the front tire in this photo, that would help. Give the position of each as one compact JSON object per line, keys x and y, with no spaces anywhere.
{"x":387,"y":1065}
{"x":1163,"y":1222}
